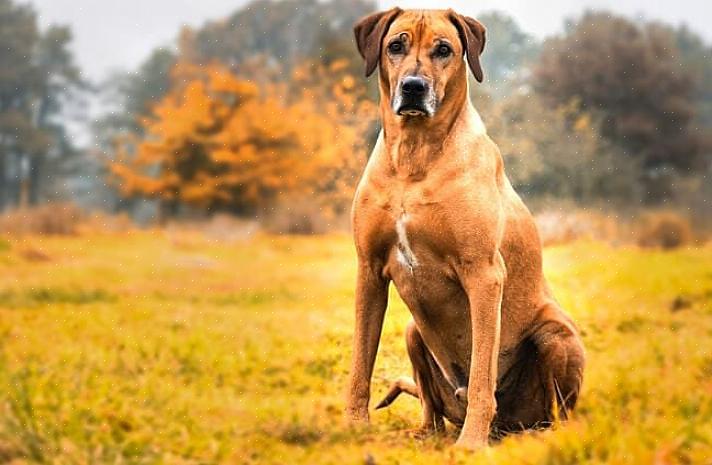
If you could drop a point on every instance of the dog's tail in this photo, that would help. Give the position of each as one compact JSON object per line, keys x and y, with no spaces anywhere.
{"x":402,"y":384}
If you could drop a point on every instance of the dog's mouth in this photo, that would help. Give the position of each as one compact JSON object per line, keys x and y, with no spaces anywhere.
{"x":411,"y":112}
{"x":413,"y":106}
{"x":408,"y":107}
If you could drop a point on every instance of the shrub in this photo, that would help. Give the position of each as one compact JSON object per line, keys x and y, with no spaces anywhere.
{"x":304,"y":215}
{"x":65,"y":219}
{"x":52,"y":218}
{"x":664,"y":229}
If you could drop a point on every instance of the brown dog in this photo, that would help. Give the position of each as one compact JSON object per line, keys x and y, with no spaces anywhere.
{"x":435,"y":213}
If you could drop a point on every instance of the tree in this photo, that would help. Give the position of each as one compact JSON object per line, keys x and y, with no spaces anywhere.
{"x":507,"y":52}
{"x":265,"y":36}
{"x":631,"y":74}
{"x":280,"y":36}
{"x":37,"y":71}
{"x":132,"y":95}
{"x":18,"y":135}
{"x":295,"y":48}
{"x":558,"y":153}
{"x":150,"y":83}
{"x":286,"y":32}
{"x":58,"y":77}
{"x":264,"y":41}
{"x":696,"y":58}
{"x":218,"y":142}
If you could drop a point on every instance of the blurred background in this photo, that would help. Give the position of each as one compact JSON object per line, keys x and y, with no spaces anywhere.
{"x":161,"y":111}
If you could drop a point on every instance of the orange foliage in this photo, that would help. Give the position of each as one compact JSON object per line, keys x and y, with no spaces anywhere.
{"x":220,"y":142}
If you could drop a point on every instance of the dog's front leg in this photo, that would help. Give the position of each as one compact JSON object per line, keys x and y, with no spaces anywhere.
{"x":484,"y":285}
{"x":371,"y":302}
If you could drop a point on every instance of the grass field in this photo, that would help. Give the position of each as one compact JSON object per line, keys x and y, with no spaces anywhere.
{"x":152,"y":347}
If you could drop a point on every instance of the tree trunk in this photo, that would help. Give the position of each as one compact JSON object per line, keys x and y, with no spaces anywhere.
{"x":14,"y":167}
{"x":23,"y":180}
{"x":168,"y":209}
{"x":3,"y":182}
{"x":36,"y":169}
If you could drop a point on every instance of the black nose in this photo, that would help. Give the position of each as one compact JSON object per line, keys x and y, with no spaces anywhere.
{"x":414,"y":85}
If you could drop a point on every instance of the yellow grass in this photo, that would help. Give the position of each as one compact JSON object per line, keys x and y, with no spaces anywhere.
{"x":171,"y":348}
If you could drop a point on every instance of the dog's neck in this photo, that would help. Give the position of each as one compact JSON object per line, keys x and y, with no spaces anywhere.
{"x":413,"y":144}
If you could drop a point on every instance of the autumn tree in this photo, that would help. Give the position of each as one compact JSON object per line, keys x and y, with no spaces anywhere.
{"x":263,"y":41}
{"x":631,"y":73}
{"x":271,"y":37}
{"x":221,"y":143}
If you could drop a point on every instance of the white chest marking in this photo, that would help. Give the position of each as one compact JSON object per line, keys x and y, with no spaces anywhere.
{"x":405,"y":254}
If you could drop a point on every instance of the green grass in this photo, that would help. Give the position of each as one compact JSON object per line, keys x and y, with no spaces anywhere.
{"x":157,"y":348}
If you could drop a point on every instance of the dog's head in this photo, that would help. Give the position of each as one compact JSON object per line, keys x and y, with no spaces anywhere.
{"x":419,"y":52}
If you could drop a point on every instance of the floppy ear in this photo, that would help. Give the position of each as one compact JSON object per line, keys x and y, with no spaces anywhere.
{"x":369,"y":32}
{"x":472,"y":35}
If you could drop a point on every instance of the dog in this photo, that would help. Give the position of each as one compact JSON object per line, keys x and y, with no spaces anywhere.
{"x":491,"y":349}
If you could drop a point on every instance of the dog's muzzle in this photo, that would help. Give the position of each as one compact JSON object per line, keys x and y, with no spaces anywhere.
{"x":414,"y":97}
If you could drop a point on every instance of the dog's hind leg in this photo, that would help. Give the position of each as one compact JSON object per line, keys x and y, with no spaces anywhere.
{"x":544,"y":382}
{"x":436,"y":395}
{"x":422,"y":386}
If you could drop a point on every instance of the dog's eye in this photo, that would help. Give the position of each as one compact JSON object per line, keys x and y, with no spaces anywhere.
{"x":443,"y":51}
{"x":396,"y":47}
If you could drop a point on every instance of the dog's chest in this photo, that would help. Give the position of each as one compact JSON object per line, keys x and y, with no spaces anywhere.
{"x":421,"y":238}
{"x":422,"y":265}
{"x":420,"y":224}
{"x":407,"y":218}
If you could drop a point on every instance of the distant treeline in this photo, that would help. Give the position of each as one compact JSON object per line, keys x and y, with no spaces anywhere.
{"x":267,"y":110}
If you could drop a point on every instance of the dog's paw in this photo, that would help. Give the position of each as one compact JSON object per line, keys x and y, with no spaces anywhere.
{"x":356,"y":417}
{"x":471,"y":444}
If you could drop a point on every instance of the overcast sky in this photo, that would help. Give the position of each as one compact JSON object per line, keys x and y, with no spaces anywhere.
{"x":119,"y":34}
